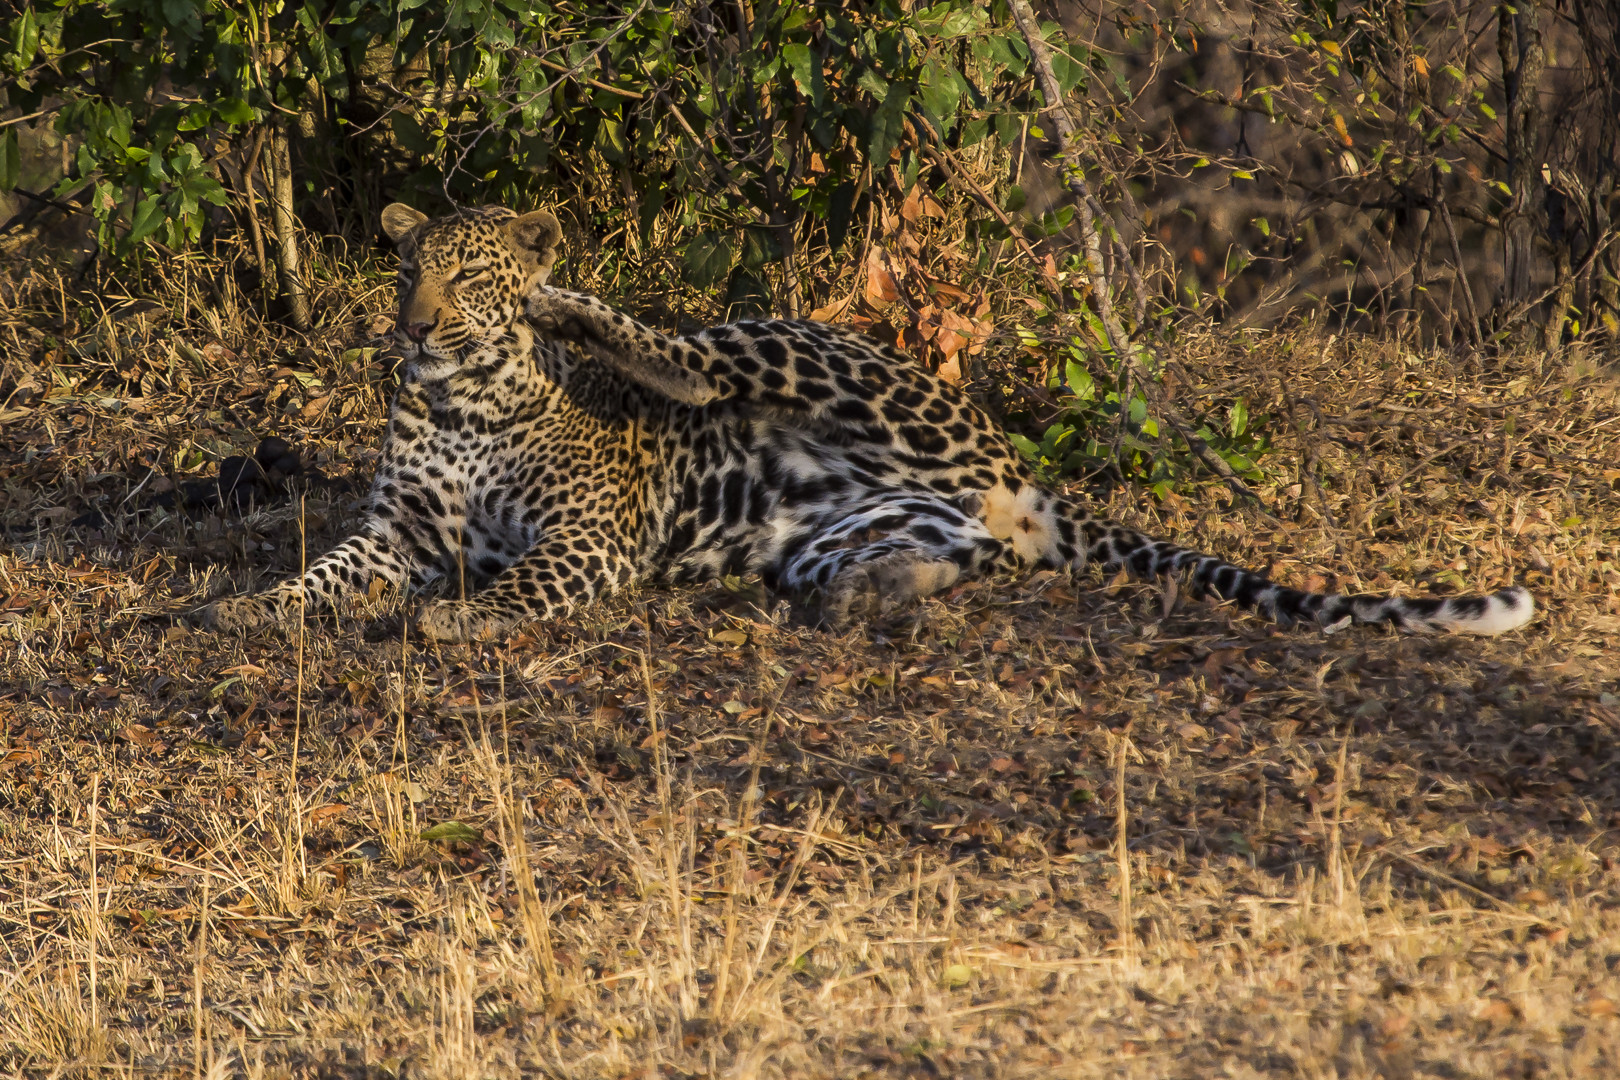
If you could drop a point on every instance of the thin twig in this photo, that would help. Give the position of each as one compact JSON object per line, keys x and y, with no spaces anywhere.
{"x":1442,"y":876}
{"x":95,"y":917}
{"x":1475,"y":331}
{"x":1335,"y":850}
{"x":197,"y":987}
{"x":1127,"y":933}
{"x":959,"y":177}
{"x":1074,"y":178}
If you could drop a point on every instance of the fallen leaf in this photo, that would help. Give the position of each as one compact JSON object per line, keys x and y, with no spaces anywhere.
{"x":911,"y":208}
{"x":832,"y":311}
{"x":449,"y":832}
{"x":327,"y":812}
{"x":881,"y":290}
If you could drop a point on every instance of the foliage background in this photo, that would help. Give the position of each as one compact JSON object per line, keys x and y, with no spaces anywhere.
{"x":1440,"y":171}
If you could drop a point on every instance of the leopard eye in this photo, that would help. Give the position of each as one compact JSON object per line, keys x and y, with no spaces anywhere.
{"x":470,"y":271}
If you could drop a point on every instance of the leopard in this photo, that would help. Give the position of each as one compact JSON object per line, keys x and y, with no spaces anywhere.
{"x":553,"y":450}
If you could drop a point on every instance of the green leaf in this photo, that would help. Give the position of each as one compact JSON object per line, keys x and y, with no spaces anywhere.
{"x":951,"y":20}
{"x":409,"y":133}
{"x":610,"y":140}
{"x":1069,"y":72}
{"x":10,"y":159}
{"x":452,"y":832}
{"x":888,"y":123}
{"x":759,"y":248}
{"x":941,"y":90}
{"x":1009,"y":52}
{"x":147,"y":219}
{"x":708,"y":259}
{"x":1080,"y":381}
{"x":651,"y":204}
{"x":234,"y":111}
{"x":748,"y":291}
{"x":24,"y":40}
{"x":1025,"y":447}
{"x":206,"y":189}
{"x":1240,"y":418}
{"x":801,"y":64}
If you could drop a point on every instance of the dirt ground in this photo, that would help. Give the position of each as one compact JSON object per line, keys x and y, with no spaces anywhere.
{"x":1062,"y":827}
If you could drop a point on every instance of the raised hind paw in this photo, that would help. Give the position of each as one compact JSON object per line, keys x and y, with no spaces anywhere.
{"x":238,"y":614}
{"x":882,"y":585}
{"x":560,"y":314}
{"x":461,"y":620}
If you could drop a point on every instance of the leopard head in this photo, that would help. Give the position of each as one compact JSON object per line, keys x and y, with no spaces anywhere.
{"x":462,"y":278}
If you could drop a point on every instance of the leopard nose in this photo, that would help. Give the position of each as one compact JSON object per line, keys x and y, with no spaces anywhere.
{"x":418,"y":331}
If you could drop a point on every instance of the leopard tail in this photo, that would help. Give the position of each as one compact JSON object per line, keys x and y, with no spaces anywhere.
{"x":1043,"y":528}
{"x":1115,"y":547}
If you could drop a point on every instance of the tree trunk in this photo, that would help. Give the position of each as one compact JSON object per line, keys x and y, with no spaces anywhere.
{"x":279,"y":177}
{"x":1605,"y":310}
{"x":1518,"y":42}
{"x":249,"y":163}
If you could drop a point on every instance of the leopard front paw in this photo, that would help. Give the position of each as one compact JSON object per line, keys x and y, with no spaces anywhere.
{"x":237,"y":614}
{"x":460,"y":620}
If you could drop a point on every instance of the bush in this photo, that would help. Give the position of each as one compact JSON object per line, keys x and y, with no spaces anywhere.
{"x":887,"y":164}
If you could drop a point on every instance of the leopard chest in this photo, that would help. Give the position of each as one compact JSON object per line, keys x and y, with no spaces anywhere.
{"x":503,"y":465}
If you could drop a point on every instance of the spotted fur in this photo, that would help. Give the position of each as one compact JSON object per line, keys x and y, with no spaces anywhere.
{"x":556,"y":449}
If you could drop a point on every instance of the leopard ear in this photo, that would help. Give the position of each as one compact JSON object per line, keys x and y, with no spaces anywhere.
{"x":536,"y":235}
{"x":398,"y":220}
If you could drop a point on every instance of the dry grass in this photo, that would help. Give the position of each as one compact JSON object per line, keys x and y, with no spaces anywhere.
{"x":697,"y":838}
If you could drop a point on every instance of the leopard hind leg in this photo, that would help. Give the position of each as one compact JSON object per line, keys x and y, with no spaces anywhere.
{"x":888,"y":553}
